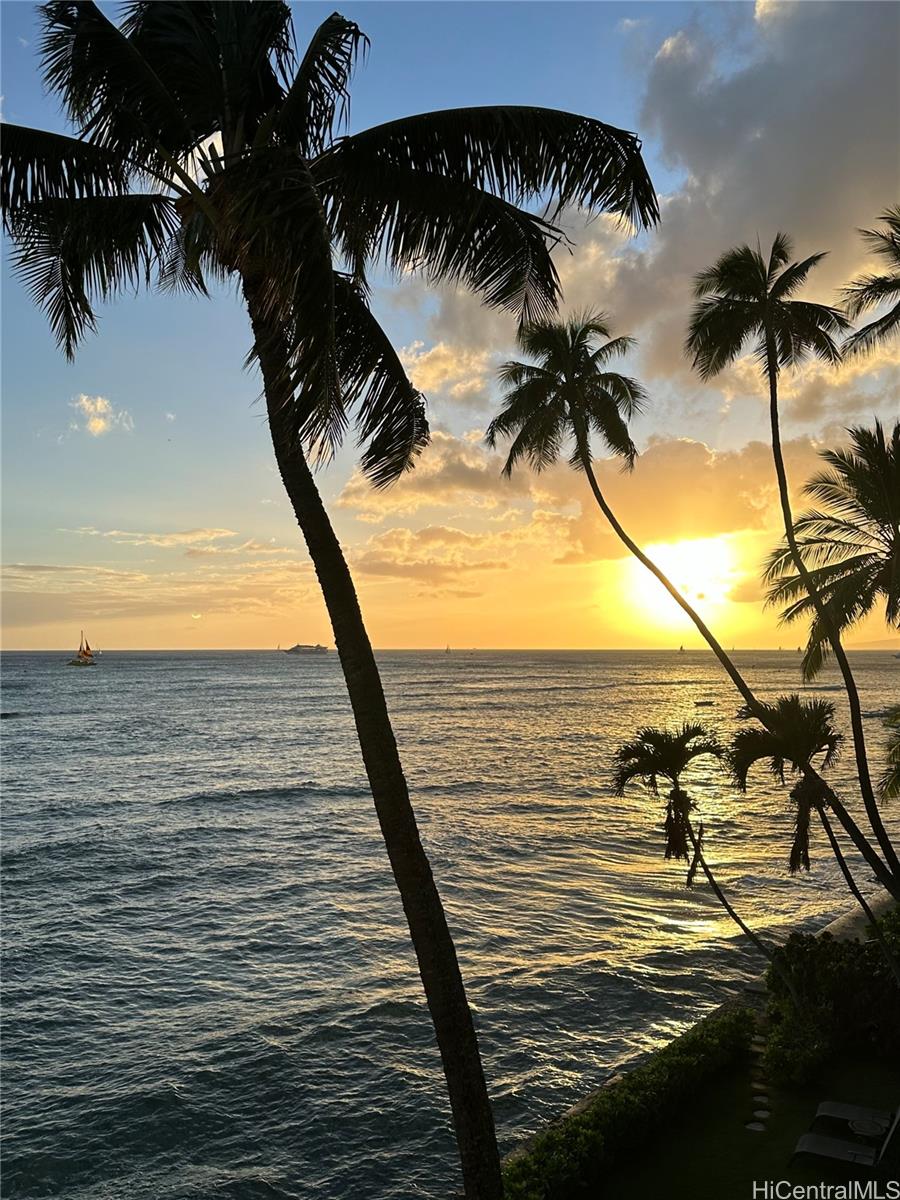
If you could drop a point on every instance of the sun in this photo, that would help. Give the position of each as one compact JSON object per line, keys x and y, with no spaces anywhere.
{"x":704,"y":570}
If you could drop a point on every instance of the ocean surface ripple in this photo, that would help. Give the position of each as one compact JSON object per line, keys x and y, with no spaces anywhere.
{"x":208,"y":987}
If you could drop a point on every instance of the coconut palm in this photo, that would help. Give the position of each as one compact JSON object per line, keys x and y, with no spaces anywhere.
{"x":656,"y":754}
{"x":206,"y":150}
{"x":850,"y":545}
{"x":552,"y":405}
{"x":744,"y":299}
{"x":872,"y":291}
{"x":798,"y":733}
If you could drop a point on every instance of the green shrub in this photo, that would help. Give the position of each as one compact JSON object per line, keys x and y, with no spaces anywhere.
{"x":569,"y":1159}
{"x":848,"y":1000}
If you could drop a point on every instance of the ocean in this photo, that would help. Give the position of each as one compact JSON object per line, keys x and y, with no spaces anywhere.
{"x":208,"y":987}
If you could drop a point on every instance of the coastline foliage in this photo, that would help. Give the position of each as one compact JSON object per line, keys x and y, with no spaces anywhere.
{"x":569,"y":1159}
{"x":848,"y":1002}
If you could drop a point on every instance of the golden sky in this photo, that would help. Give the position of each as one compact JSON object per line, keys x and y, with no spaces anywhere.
{"x":140,"y":498}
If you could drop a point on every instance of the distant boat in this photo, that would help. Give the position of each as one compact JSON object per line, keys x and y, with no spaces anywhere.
{"x":681,"y":649}
{"x":301,"y":649}
{"x":85,"y":655}
{"x":447,"y":651}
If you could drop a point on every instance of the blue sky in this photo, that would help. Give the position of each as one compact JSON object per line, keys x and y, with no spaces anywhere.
{"x":190,"y":451}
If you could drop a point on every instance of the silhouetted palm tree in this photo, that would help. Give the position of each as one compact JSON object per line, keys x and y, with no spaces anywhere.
{"x":656,"y":754}
{"x":744,"y":298}
{"x":206,"y":150}
{"x":890,"y":779}
{"x":872,"y":291}
{"x":798,"y":732}
{"x":851,"y":545}
{"x":552,"y":405}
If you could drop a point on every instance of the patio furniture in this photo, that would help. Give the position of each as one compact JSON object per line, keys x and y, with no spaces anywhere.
{"x":865,"y":1122}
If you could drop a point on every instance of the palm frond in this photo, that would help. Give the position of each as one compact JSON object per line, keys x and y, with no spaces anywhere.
{"x":391,"y":412}
{"x":864,"y":340}
{"x":413,"y":220}
{"x":796,"y":733}
{"x":718,"y":330}
{"x":318,"y":101}
{"x":109,"y":90}
{"x":72,"y":253}
{"x":39,"y":165}
{"x":519,"y":154}
{"x":889,"y":783}
{"x":794,"y":276}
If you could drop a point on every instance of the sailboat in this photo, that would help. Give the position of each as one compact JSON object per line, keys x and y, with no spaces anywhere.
{"x":85,"y":655}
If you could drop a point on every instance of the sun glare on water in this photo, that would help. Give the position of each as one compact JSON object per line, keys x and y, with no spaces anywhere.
{"x":704,"y":571}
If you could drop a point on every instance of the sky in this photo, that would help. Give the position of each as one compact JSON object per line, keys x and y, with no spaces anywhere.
{"x":140,"y":499}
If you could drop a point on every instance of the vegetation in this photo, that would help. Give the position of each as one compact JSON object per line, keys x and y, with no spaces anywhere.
{"x":570,"y":1158}
{"x":890,"y":779}
{"x":658,"y":753}
{"x":873,"y":291}
{"x":551,"y":406}
{"x":850,"y":545}
{"x":204,"y":149}
{"x":848,"y":1002}
{"x":745,"y":298}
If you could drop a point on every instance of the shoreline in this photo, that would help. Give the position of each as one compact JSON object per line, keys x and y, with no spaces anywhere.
{"x":848,"y":926}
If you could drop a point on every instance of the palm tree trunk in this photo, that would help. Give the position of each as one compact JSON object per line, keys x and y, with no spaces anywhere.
{"x":860,"y":898}
{"x":859,"y":737}
{"x":745,"y":929}
{"x":431,"y":938}
{"x":889,"y":880}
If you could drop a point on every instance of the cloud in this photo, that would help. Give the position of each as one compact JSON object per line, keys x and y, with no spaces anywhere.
{"x":435,"y":555}
{"x":679,"y":490}
{"x":800,"y":135}
{"x":99,"y":416}
{"x":184,"y":537}
{"x":443,"y":368}
{"x":768,"y":147}
{"x":451,"y":471}
{"x":40,"y":593}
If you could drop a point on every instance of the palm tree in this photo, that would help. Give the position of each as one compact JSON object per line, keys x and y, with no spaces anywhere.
{"x":890,"y":779}
{"x":851,"y":545}
{"x":551,"y":406}
{"x":797,"y":733}
{"x":656,"y":754}
{"x":744,"y":298}
{"x":205,"y":149}
{"x":871,"y":291}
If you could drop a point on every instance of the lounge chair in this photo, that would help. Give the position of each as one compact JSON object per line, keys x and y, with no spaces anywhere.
{"x":853,"y":1112}
{"x":828,"y":1147}
{"x":822,"y":1146}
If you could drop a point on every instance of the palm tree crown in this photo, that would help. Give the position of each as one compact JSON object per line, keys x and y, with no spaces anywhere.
{"x":850,"y":545}
{"x":656,"y":754}
{"x":565,"y":394}
{"x":873,"y":290}
{"x":797,"y":733}
{"x":745,"y":298}
{"x":206,"y":147}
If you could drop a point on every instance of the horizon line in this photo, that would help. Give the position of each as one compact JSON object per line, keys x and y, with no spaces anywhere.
{"x":866,"y":649}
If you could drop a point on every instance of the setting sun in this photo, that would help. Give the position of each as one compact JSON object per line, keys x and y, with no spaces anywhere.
{"x":704,"y":570}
